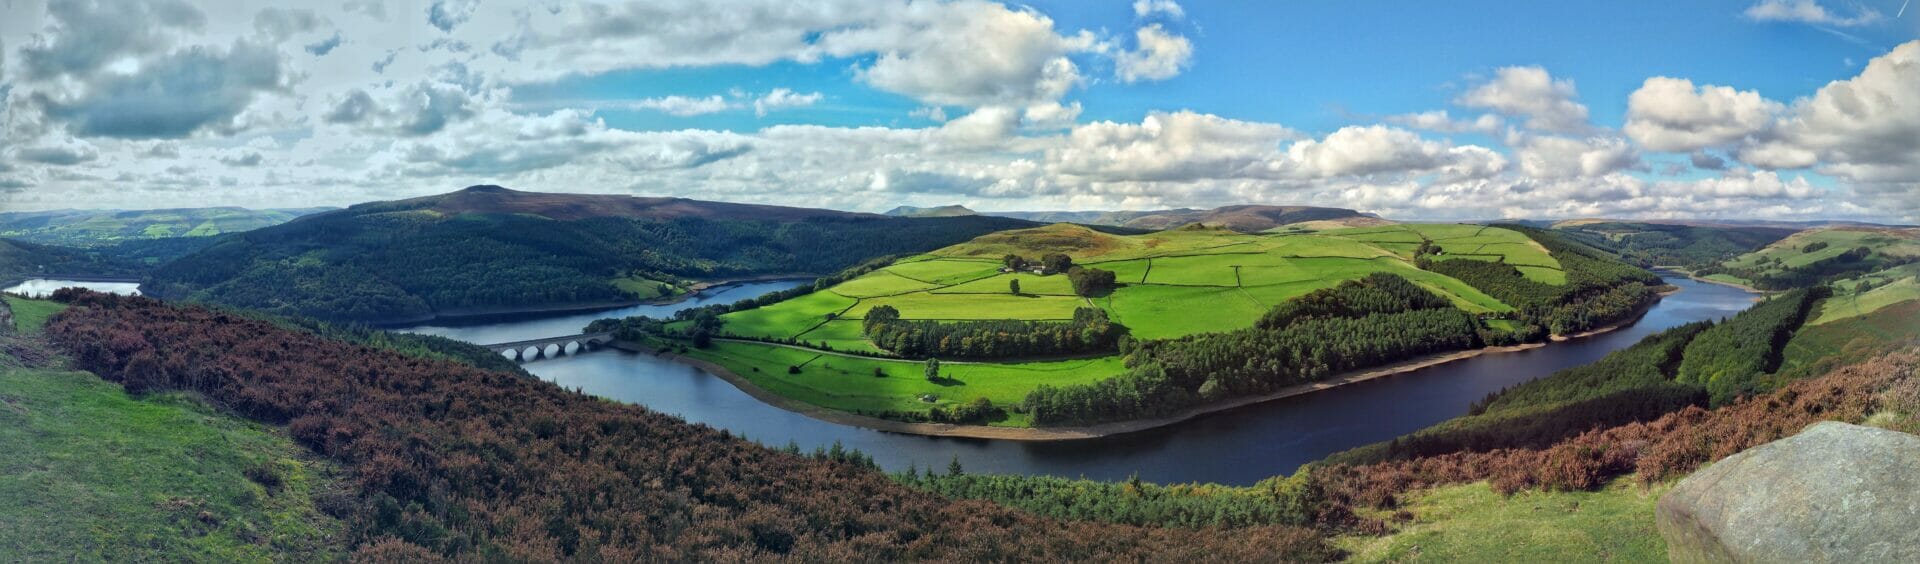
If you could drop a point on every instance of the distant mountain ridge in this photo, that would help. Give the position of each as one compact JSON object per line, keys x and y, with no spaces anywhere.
{"x":86,"y":228}
{"x":1246,"y":218}
{"x":488,"y":249}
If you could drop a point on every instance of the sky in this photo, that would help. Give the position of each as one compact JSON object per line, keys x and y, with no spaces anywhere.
{"x":1747,"y":109}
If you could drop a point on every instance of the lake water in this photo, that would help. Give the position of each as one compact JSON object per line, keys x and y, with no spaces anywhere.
{"x":1241,"y":446}
{"x":40,"y":287}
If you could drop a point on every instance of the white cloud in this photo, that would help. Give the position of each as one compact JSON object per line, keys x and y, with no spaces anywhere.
{"x":1547,"y":156}
{"x":782,"y":98}
{"x":1530,"y":92}
{"x":1169,"y":8}
{"x":1441,"y":121}
{"x":1807,"y":11}
{"x":1157,"y":55}
{"x":1670,"y":114}
{"x":684,"y":105}
{"x":1863,"y":129}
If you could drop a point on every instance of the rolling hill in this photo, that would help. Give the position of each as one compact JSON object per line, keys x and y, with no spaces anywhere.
{"x":1196,"y":286}
{"x":489,"y":249}
{"x":939,"y":211}
{"x":20,"y":260}
{"x":106,"y":227}
{"x":1819,"y":255}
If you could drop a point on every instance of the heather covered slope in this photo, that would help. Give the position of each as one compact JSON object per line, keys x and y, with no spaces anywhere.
{"x":450,"y":460}
{"x":488,"y":248}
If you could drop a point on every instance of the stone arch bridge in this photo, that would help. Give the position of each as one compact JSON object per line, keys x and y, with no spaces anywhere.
{"x":551,"y":347}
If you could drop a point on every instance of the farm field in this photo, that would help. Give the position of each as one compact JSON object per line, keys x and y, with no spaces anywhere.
{"x":1174,"y":283}
{"x":848,"y":383}
{"x":1171,"y":284}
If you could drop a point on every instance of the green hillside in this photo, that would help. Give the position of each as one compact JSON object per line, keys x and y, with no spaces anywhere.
{"x":21,"y":260}
{"x":1820,"y":255}
{"x":822,"y":345}
{"x":104,"y":227}
{"x":490,"y":249}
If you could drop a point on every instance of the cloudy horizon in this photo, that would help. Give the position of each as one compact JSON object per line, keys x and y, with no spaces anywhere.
{"x":1776,"y":109}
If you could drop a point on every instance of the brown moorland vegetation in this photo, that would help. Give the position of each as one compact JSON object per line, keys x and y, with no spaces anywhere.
{"x":453,"y":461}
{"x":1669,"y":447}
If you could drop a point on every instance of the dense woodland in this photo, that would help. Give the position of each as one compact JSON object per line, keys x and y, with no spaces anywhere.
{"x":20,"y":260}
{"x":450,"y":460}
{"x":1697,"y":364}
{"x":1342,"y":332}
{"x":372,"y":265}
{"x":1651,"y":244}
{"x":1731,"y":358}
{"x":1089,"y":332}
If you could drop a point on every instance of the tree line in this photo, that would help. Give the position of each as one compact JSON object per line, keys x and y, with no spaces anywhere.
{"x":1089,"y":332}
{"x":1732,"y":358}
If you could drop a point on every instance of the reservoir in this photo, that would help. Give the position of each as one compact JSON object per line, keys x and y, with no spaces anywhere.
{"x":41,"y":287}
{"x":1239,"y":447}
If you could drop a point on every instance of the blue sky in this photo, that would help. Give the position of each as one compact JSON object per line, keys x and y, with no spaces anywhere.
{"x":1457,"y":110}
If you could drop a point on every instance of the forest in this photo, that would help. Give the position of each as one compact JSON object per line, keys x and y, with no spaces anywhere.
{"x":1731,"y":358}
{"x":1342,"y":332}
{"x":448,"y":460}
{"x":1089,"y":332}
{"x":20,"y":260}
{"x":372,"y":265}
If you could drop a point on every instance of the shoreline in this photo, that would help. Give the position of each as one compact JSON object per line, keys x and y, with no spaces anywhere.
{"x":1043,"y":434}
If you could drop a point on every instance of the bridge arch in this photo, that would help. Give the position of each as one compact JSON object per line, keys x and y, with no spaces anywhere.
{"x":572,"y":348}
{"x":530,"y":353}
{"x":511,"y":354}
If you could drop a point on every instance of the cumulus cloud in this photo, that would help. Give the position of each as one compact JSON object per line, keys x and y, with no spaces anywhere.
{"x":421,"y":108}
{"x":1532,"y":93}
{"x":1157,"y":55}
{"x":173,"y":96}
{"x":1547,"y":156}
{"x":62,"y":151}
{"x":1168,"y":8}
{"x":1862,"y":129}
{"x":782,"y":98}
{"x":1807,"y":11}
{"x":1670,"y":114}
{"x":83,"y":36}
{"x":446,"y":14}
{"x":1441,"y":121}
{"x":684,"y":105}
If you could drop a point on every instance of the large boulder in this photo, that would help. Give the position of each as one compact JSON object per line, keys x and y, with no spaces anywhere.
{"x":1833,"y":493}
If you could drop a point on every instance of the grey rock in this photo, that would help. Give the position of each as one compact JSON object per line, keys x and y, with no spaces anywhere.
{"x":1833,"y":493}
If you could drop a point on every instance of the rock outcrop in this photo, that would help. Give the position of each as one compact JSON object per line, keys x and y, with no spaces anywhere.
{"x":1833,"y":493}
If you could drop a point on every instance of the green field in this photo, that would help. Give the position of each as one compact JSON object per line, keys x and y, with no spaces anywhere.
{"x":1472,"y":523}
{"x":30,"y":315}
{"x":848,"y":383}
{"x":1890,"y":287}
{"x":1173,"y":283}
{"x":92,"y":474}
{"x":1791,"y":252}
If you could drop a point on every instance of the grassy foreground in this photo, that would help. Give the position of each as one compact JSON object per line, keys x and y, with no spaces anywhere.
{"x":1472,"y":523}
{"x":89,"y":473}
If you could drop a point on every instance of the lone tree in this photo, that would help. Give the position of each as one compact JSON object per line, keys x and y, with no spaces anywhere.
{"x":933,"y":369}
{"x":953,"y":468}
{"x":1014,"y":286}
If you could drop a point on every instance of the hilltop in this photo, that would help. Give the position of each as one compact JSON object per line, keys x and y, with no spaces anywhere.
{"x":1242,"y":218}
{"x":488,"y":249}
{"x":1820,"y":255}
{"x":939,"y":211}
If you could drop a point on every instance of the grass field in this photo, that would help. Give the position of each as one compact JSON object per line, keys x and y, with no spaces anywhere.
{"x":1890,"y":286}
{"x":646,"y":288}
{"x":1791,"y":252}
{"x":91,"y":474}
{"x":848,"y":383}
{"x":1173,"y":283}
{"x":1472,"y":523}
{"x":30,"y":315}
